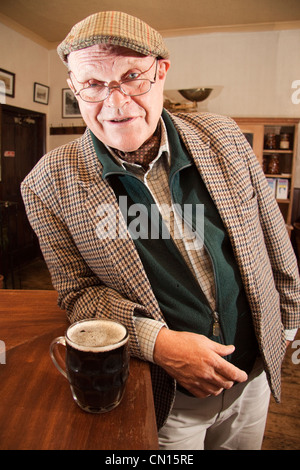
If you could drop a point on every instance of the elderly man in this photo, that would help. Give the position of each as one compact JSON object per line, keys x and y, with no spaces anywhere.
{"x":206,"y":300}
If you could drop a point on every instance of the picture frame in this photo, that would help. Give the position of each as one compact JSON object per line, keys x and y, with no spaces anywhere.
{"x":8,"y":78}
{"x":41,"y":93}
{"x":70,"y":108}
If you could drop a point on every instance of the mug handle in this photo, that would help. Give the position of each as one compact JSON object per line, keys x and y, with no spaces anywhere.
{"x":56,"y":358}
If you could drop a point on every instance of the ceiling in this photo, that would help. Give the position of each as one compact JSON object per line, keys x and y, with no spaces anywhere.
{"x":49,"y":21}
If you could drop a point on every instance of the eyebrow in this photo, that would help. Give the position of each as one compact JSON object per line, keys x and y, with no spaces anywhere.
{"x":136,"y":64}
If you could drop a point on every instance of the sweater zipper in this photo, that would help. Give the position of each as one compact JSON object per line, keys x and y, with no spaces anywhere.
{"x":217,"y":331}
{"x":216,"y":325}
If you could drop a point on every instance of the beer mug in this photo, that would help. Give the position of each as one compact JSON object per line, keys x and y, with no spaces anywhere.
{"x":96,"y":362}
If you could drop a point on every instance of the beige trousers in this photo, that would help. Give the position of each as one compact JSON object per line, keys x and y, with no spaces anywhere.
{"x":234,"y":420}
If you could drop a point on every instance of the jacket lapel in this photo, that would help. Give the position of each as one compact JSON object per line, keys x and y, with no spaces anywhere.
{"x":225,"y":177}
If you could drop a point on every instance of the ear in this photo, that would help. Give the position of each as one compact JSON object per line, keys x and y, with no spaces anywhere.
{"x":163,"y":67}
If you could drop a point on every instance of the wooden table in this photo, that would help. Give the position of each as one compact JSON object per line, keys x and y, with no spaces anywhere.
{"x":37,"y":411}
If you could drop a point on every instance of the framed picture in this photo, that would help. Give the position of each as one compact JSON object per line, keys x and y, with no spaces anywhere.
{"x":40,"y":93}
{"x":70,"y":108}
{"x":8,"y":82}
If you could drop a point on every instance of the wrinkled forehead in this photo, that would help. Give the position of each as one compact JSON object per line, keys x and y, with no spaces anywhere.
{"x":102,"y":52}
{"x":105,"y":59}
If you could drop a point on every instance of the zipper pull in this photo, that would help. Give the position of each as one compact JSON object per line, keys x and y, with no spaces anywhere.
{"x":216,"y":325}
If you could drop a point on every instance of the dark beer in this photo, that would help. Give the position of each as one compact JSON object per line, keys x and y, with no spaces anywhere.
{"x":97,"y":363}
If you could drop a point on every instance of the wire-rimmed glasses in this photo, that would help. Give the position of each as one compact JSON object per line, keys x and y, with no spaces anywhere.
{"x":100,"y":91}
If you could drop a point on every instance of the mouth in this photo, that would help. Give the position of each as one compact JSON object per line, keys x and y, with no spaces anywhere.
{"x":121,"y":120}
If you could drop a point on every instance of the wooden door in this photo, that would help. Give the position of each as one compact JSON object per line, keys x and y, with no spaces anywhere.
{"x":23,"y":136}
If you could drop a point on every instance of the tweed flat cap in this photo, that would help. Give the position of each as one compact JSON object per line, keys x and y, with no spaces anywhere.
{"x":117,"y":28}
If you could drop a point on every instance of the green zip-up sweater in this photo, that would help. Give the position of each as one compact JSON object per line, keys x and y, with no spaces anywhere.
{"x":181,"y":300}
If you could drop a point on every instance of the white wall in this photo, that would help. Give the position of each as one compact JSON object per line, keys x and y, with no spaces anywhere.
{"x":30,"y":62}
{"x":58,"y":81}
{"x":252,"y":73}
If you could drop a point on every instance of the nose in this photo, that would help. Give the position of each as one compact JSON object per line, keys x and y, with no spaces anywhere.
{"x":116,"y":97}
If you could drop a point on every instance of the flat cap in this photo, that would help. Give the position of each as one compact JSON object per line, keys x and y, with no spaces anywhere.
{"x":117,"y":28}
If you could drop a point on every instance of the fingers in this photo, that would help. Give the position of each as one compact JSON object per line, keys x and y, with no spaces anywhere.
{"x":208,"y":382}
{"x":230,"y":372}
{"x":206,"y":389}
{"x":222,"y":349}
{"x":209,"y":386}
{"x":227,"y":370}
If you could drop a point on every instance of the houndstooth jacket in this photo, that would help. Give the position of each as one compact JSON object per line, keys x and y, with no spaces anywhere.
{"x":105,"y":277}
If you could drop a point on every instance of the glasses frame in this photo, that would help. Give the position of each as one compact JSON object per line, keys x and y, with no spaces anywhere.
{"x":110,"y":88}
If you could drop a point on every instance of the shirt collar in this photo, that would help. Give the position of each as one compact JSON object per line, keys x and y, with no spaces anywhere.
{"x":136,"y":168}
{"x":113,"y":164}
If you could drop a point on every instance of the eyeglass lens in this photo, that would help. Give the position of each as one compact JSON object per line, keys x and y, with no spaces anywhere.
{"x":131,"y":88}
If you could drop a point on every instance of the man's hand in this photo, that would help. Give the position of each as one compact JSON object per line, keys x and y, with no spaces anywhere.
{"x":196,"y":362}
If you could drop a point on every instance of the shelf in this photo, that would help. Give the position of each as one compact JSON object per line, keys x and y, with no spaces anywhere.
{"x":256,"y":131}
{"x":67,"y":130}
{"x":279,"y":175}
{"x":272,"y":152}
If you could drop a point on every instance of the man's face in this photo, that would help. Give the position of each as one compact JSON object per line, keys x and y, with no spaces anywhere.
{"x":121,"y":122}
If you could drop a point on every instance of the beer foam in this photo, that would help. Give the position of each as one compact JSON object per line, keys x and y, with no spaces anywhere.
{"x":97,"y":335}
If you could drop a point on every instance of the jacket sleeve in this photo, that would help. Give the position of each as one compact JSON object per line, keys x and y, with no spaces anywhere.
{"x":80,"y":291}
{"x":280,"y":251}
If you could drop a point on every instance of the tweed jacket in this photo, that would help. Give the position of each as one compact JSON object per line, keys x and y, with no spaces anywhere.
{"x":105,"y":277}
